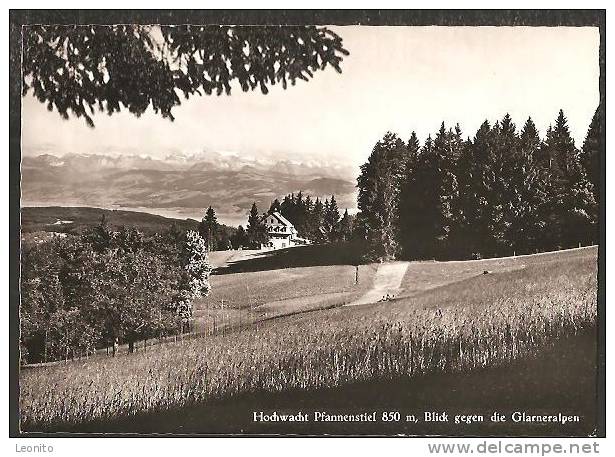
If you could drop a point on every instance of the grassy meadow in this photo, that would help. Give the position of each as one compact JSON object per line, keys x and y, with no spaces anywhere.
{"x":450,"y":321}
{"x":242,"y":299}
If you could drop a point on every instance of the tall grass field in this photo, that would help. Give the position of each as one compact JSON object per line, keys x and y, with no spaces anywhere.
{"x":450,"y":318}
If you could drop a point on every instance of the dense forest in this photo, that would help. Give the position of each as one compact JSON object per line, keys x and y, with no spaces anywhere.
{"x":503,"y":192}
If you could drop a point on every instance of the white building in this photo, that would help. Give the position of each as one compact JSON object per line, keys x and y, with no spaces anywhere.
{"x":282,"y":233}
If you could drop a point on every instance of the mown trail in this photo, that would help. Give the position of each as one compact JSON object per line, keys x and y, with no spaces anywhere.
{"x":387,"y":281}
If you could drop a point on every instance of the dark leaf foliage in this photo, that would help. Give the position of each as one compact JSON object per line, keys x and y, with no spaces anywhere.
{"x":80,"y":69}
{"x":105,"y":287}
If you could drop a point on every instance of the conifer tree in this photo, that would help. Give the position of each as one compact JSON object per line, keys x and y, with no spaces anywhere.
{"x":317,"y":218}
{"x":529,"y":140}
{"x":208,"y":229}
{"x":528,"y":194}
{"x":325,"y":221}
{"x":503,"y":185}
{"x":345,"y":232}
{"x":256,"y":230}
{"x":573,"y":218}
{"x":332,"y":217}
{"x":413,"y":148}
{"x":379,"y":185}
{"x":475,"y":169}
{"x":418,"y":205}
{"x":501,"y":193}
{"x":461,"y":240}
{"x":428,"y":197}
{"x":592,"y":152}
{"x":275,"y":206}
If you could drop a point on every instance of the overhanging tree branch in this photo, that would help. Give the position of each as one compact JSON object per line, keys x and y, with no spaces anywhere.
{"x":78,"y":69}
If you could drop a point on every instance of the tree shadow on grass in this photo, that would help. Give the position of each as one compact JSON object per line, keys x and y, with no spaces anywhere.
{"x":557,"y":379}
{"x":298,"y":256}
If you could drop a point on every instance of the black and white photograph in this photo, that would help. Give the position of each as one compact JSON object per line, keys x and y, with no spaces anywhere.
{"x":307,"y":223}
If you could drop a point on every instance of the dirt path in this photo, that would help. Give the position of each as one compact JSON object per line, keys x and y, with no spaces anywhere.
{"x":386,"y":281}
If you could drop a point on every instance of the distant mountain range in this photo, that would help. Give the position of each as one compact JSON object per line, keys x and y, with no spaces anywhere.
{"x":177,"y":186}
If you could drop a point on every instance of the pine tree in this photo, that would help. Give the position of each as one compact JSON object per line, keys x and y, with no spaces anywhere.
{"x":332,"y":217}
{"x":503,"y":185}
{"x":275,"y":206}
{"x":573,"y":207}
{"x":527,"y":214}
{"x":379,"y":185}
{"x":529,"y":140}
{"x":256,"y":230}
{"x":325,"y":221}
{"x":445,"y":151}
{"x":464,"y":206}
{"x":413,"y":148}
{"x":592,"y":152}
{"x":560,"y":152}
{"x":297,"y":210}
{"x":501,"y":193}
{"x":345,"y":232}
{"x":418,"y":205}
{"x":287,"y":206}
{"x":317,"y":219}
{"x":428,"y":197}
{"x":208,"y":229}
{"x":476,"y":203}
{"x":457,"y":146}
{"x":308,"y":203}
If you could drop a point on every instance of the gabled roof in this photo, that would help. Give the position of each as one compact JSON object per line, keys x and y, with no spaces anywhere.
{"x":281,"y":218}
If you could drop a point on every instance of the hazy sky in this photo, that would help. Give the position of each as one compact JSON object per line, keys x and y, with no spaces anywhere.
{"x":396,"y":78}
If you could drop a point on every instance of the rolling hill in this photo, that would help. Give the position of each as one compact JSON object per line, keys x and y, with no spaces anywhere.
{"x":76,"y":219}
